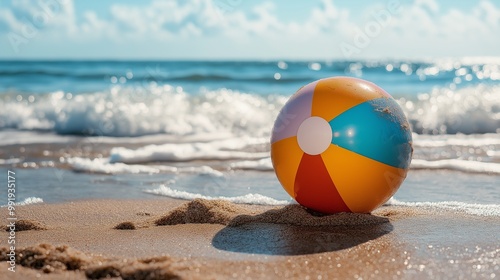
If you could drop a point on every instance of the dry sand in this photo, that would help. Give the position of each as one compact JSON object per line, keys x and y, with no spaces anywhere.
{"x":175,"y":239}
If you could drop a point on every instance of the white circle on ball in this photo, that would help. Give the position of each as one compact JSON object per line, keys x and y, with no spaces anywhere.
{"x":314,"y":135}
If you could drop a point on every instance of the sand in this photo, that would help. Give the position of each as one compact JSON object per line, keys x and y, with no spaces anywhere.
{"x":175,"y":239}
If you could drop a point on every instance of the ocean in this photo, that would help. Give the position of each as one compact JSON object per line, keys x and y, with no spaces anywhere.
{"x":76,"y":130}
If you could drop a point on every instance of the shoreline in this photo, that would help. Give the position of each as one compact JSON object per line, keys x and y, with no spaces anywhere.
{"x":222,"y":240}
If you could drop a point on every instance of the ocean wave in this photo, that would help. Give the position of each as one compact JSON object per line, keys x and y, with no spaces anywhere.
{"x":27,"y":201}
{"x":54,"y":73}
{"x":264,"y":164}
{"x":147,"y":77}
{"x":455,"y":206}
{"x":221,"y":77}
{"x":493,"y":154}
{"x":30,"y":137}
{"x":104,"y":166}
{"x":16,"y":72}
{"x":439,"y":141}
{"x":244,"y":199}
{"x":215,"y":150}
{"x":118,"y":68}
{"x":457,"y":164}
{"x":10,"y":161}
{"x":127,"y":111}
{"x":470,"y":110}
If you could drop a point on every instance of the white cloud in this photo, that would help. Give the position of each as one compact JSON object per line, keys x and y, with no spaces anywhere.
{"x":424,"y":29}
{"x":94,"y":27}
{"x":490,"y":12}
{"x":419,"y":29}
{"x":432,"y":5}
{"x":43,"y":15}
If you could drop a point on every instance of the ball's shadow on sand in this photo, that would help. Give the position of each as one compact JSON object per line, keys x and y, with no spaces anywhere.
{"x":282,"y":239}
{"x":287,"y":230}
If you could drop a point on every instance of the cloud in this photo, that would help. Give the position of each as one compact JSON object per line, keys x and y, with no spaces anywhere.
{"x":491,"y":13}
{"x":169,"y":18}
{"x":424,"y":29}
{"x":420,"y":28}
{"x":58,"y":15}
{"x":432,"y":5}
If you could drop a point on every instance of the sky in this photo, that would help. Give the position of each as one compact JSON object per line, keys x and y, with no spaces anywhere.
{"x":248,"y":30}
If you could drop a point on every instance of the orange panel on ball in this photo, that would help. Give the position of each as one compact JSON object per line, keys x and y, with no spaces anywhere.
{"x":333,"y":96}
{"x":314,"y":188}
{"x":286,"y":155}
{"x":362,"y":192}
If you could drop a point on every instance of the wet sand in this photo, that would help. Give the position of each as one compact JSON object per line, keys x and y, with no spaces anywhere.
{"x":170,"y":239}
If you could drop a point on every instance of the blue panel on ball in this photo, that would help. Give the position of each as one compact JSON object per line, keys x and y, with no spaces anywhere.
{"x":376,"y":129}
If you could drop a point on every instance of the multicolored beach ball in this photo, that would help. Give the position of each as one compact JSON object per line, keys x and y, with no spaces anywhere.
{"x":341,"y":145}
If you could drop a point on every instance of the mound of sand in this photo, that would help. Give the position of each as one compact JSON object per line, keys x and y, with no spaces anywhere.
{"x":202,"y":211}
{"x":125,"y":225}
{"x":226,"y":213}
{"x":23,"y":225}
{"x":299,"y":216}
{"x":49,"y":259}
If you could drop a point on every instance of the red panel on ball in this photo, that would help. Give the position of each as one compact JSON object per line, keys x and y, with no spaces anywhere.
{"x":314,"y":188}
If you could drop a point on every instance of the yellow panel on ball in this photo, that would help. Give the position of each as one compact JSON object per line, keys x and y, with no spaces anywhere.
{"x":361,"y":192}
{"x":333,"y":96}
{"x":286,"y":155}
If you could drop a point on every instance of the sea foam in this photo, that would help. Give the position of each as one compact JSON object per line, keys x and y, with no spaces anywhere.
{"x":103,"y":165}
{"x":215,"y":150}
{"x":125,"y":111}
{"x":28,"y":201}
{"x":457,"y":164}
{"x":455,"y":206}
{"x":244,"y":199}
{"x":135,"y":111}
{"x":470,"y":110}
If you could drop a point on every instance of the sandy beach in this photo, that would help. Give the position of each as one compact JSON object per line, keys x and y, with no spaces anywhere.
{"x":201,"y":239}
{"x":185,"y":139}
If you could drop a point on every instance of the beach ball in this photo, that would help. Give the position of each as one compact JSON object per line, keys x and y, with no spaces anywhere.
{"x":341,"y":144}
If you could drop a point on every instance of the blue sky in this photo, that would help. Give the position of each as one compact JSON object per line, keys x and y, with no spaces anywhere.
{"x":239,"y":29}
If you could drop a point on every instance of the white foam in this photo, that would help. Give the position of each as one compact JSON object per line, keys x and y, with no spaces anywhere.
{"x":244,"y":199}
{"x":215,"y":150}
{"x":30,"y":200}
{"x":126,"y":111}
{"x":103,"y":165}
{"x":264,"y":164}
{"x":493,"y":154}
{"x":12,"y":137}
{"x":27,"y":201}
{"x":135,"y":111}
{"x":469,"y":110}
{"x":457,"y":164}
{"x":455,"y":206}
{"x":436,"y":141}
{"x":24,"y":137}
{"x":10,"y":161}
